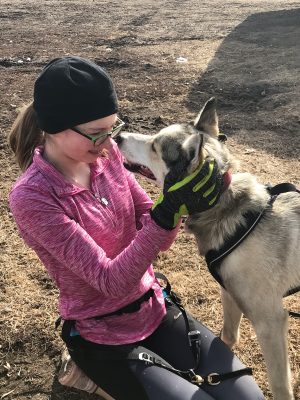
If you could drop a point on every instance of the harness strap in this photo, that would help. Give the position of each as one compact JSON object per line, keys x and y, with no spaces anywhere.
{"x":214,"y":257}
{"x":281,"y":188}
{"x":275,"y":190}
{"x":289,"y":293}
{"x":292,"y":291}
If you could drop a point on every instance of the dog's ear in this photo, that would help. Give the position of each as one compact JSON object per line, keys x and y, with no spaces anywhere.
{"x":207,"y":119}
{"x":194,"y":150}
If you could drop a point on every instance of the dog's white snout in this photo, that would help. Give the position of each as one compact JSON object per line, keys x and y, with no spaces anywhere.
{"x":128,"y":139}
{"x":132,"y":146}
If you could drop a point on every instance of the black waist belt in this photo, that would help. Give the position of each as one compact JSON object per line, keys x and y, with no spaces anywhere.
{"x":130,"y":308}
{"x":193,"y":337}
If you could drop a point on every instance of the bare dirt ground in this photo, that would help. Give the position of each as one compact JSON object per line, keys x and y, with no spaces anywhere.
{"x":245,"y":53}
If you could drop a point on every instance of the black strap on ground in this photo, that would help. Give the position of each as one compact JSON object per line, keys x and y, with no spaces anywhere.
{"x":294,"y":314}
{"x":289,"y":293}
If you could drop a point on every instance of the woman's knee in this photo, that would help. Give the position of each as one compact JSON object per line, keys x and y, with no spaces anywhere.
{"x":161,"y":384}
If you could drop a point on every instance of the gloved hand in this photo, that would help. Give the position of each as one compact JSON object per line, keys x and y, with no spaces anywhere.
{"x":196,"y":193}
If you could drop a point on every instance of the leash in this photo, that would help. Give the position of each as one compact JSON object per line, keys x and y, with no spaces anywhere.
{"x":194,"y":338}
{"x":195,"y":342}
{"x":193,"y":334}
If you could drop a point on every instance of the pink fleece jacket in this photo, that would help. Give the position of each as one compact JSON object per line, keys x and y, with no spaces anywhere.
{"x":95,"y":253}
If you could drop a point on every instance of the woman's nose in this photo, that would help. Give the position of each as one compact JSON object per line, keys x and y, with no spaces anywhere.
{"x":108,"y":144}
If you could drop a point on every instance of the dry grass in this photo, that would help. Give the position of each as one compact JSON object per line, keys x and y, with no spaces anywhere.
{"x":29,"y":299}
{"x":151,"y":85}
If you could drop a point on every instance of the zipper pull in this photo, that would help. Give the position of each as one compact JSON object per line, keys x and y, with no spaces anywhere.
{"x":102,"y":199}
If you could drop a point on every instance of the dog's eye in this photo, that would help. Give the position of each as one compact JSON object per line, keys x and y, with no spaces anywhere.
{"x":153,"y":148}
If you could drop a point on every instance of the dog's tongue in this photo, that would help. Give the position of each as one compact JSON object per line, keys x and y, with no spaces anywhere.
{"x":227,"y":178}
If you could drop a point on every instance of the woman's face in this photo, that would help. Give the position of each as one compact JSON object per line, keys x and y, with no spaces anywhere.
{"x":74,"y":146}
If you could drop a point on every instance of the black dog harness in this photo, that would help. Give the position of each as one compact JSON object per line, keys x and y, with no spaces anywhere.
{"x":214,"y":257}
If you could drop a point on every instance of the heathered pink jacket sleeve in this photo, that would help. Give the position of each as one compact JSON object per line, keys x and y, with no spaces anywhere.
{"x":39,"y":217}
{"x":92,"y":250}
{"x":143,"y":203}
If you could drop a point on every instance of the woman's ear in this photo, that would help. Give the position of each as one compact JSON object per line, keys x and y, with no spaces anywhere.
{"x":207,"y":119}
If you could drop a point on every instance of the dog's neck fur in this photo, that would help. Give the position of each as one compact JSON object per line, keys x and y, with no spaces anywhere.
{"x":212,"y":227}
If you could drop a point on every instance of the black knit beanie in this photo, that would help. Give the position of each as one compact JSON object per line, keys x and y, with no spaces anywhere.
{"x":72,"y":91}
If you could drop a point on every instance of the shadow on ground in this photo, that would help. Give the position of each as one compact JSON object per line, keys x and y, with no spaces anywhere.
{"x":60,"y":392}
{"x":255,"y":77}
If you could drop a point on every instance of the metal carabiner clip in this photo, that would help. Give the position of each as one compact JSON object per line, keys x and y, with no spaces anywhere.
{"x":209,"y":379}
{"x":197,"y":379}
{"x":194,"y":336}
{"x":146,"y":357}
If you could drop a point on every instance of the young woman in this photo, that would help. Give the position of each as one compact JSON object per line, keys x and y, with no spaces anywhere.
{"x":90,"y":223}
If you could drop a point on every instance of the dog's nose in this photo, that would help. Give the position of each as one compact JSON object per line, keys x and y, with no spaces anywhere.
{"x":118,"y":139}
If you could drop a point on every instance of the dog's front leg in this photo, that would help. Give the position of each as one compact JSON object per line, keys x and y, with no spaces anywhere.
{"x":271,"y":328}
{"x":231,"y":319}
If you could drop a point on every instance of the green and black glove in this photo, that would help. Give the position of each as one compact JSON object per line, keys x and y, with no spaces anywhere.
{"x":198,"y":192}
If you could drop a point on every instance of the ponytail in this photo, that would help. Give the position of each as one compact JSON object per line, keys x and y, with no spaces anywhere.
{"x":25,"y":136}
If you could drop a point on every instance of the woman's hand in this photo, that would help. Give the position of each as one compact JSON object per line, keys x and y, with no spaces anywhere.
{"x":198,"y":192}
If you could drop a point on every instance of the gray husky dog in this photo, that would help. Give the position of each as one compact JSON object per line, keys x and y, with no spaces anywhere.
{"x":265,"y":266}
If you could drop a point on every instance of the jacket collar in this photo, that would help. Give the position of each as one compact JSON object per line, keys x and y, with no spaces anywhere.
{"x":60,"y":185}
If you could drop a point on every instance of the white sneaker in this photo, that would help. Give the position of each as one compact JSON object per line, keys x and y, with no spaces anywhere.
{"x":71,"y":375}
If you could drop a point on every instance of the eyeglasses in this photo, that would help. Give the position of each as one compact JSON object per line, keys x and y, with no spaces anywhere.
{"x":101,"y":139}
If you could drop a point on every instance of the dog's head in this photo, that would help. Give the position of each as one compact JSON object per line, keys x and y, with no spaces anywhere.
{"x":154,"y":156}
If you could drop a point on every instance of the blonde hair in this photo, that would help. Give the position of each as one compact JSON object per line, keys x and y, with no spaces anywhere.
{"x":25,"y":136}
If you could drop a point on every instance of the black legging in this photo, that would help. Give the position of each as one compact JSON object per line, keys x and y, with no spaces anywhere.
{"x":135,"y":380}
